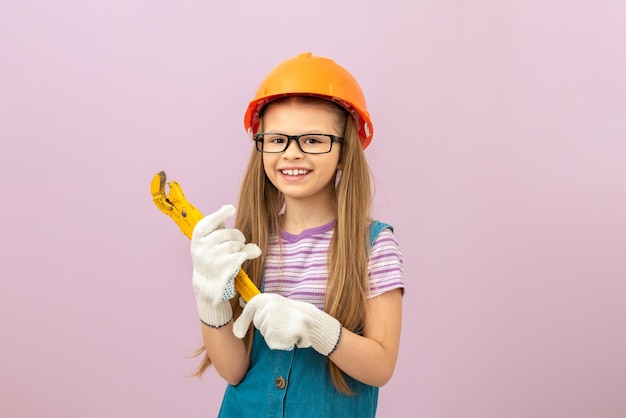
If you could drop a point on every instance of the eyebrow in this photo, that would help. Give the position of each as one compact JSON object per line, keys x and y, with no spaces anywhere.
{"x":316,"y":132}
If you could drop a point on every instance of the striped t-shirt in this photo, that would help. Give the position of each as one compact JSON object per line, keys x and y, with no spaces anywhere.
{"x":300,"y":270}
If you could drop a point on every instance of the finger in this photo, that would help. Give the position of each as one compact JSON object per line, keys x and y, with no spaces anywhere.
{"x":242,"y":324}
{"x":279,"y":346}
{"x":213,"y":221}
{"x":250,"y":251}
{"x":203,"y":252}
{"x":221,"y":236}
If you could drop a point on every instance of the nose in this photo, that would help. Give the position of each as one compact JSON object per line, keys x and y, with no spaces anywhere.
{"x":293,"y":149}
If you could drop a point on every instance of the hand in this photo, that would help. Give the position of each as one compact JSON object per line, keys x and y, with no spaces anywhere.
{"x":217,"y":254}
{"x":284,"y":323}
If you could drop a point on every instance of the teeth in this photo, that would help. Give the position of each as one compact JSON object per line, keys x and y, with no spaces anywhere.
{"x":294,"y":172}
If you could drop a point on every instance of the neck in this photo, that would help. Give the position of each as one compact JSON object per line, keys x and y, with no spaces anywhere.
{"x":300,"y":215}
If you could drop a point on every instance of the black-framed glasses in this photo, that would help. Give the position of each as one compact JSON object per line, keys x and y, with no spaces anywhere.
{"x":308,"y":143}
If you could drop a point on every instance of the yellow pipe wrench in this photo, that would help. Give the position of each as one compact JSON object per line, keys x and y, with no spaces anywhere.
{"x":176,"y":206}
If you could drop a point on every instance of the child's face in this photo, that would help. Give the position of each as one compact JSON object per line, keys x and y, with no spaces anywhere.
{"x":296,"y":174}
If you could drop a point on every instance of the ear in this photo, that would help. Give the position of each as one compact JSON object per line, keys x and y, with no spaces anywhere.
{"x":338,"y":175}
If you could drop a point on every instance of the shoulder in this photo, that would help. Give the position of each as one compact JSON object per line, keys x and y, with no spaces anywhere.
{"x":384,"y":243}
{"x":385,"y":250}
{"x":376,"y":227}
{"x":385,"y":264}
{"x":381,"y":231}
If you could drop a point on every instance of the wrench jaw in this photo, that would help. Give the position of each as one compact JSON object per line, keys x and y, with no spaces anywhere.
{"x":174,"y":205}
{"x":186,"y":215}
{"x":157,"y":188}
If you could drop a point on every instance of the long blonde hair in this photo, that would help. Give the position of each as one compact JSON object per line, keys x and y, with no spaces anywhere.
{"x":258,"y":212}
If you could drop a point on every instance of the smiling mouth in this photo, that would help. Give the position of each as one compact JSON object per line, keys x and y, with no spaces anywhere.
{"x":294,"y":172}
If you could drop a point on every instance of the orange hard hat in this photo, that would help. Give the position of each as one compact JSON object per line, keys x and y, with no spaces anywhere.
{"x":312,"y":75}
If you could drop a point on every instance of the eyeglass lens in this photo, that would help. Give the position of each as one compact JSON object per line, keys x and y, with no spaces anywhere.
{"x":309,"y":143}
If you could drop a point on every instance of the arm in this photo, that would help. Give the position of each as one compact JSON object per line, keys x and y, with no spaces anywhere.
{"x":217,"y":254}
{"x":227,"y":352}
{"x":371,"y":358}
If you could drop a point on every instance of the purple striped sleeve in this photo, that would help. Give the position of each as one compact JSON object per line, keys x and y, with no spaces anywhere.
{"x":385,"y":265}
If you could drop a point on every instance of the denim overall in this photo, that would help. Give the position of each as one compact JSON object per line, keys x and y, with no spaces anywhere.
{"x":296,"y":383}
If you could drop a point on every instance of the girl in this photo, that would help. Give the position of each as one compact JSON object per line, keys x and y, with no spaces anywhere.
{"x":325,"y":332}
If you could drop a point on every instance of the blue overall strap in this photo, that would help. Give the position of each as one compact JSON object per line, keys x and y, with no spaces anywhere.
{"x":375,"y":228}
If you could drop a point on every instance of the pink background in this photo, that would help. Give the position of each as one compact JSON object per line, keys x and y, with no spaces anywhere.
{"x":499,"y":156}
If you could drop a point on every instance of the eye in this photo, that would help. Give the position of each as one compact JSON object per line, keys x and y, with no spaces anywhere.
{"x":274,"y":139}
{"x":312,"y":139}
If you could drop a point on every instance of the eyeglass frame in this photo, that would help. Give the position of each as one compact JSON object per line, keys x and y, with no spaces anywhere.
{"x":296,"y":138}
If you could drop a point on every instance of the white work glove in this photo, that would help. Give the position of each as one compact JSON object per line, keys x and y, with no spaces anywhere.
{"x":285,"y":322}
{"x":217,"y":254}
